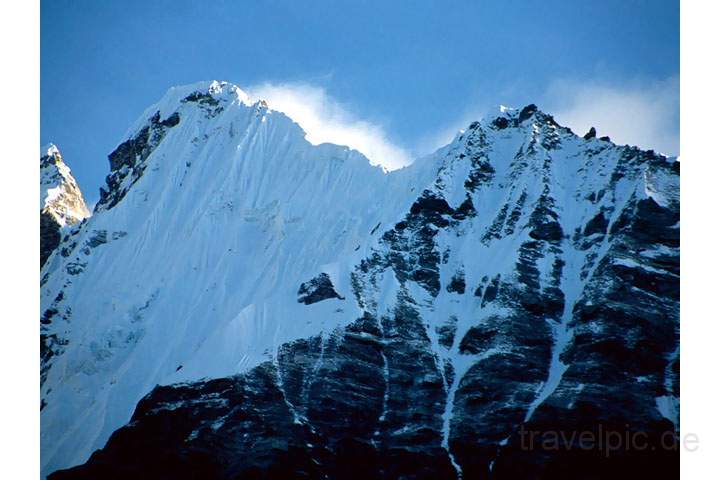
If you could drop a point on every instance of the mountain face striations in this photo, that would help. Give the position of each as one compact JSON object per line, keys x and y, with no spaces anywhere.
{"x":244,"y":304}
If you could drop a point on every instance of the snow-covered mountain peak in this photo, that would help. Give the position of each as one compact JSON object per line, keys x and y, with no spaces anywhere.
{"x":206,"y":187}
{"x":194,"y":116}
{"x":49,"y":149}
{"x":59,"y":192}
{"x":519,"y":116}
{"x":225,"y":244}
{"x":61,"y":201}
{"x":207,"y":93}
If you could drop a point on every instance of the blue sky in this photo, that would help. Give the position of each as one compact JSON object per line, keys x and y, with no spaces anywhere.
{"x":400,"y":77}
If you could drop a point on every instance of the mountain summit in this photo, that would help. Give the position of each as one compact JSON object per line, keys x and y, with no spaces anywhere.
{"x":244,"y":304}
{"x":61,"y":201}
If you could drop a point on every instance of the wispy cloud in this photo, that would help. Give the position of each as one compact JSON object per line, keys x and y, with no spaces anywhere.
{"x":324,"y":119}
{"x":637,"y":113}
{"x":642,"y":113}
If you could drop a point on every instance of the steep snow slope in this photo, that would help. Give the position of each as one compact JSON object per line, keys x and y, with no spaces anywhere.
{"x":216,"y":210}
{"x":394,"y":324}
{"x":61,"y":201}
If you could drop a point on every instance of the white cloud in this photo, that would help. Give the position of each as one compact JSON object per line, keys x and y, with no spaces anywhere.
{"x":324,"y":119}
{"x":645,"y":114}
{"x":642,"y":114}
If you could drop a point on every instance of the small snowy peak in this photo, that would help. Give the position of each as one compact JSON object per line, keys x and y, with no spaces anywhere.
{"x":510,"y":116}
{"x":49,"y":149}
{"x":217,"y":89}
{"x":61,"y":201}
{"x":59,"y":192}
{"x":203,"y":93}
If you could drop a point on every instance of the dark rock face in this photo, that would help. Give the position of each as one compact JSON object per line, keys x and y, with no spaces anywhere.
{"x":623,"y":354}
{"x":128,"y":159}
{"x":50,"y":346}
{"x":323,"y":410}
{"x":501,"y":123}
{"x":206,"y":101}
{"x":590,"y":134}
{"x":318,"y":289}
{"x":598,"y":224}
{"x":204,"y":98}
{"x":562,"y":364}
{"x":457,"y":283}
{"x":527,"y":112}
{"x":49,"y":236}
{"x":415,"y":233}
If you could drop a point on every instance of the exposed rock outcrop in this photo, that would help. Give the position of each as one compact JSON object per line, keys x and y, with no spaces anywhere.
{"x":317,"y":289}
